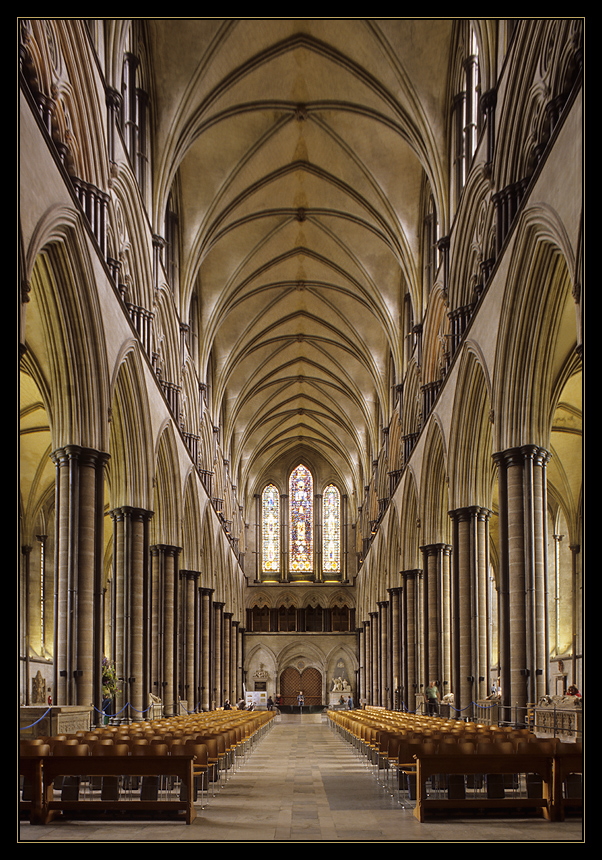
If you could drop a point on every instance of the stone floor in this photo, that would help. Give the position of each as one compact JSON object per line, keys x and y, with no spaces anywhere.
{"x":303,"y":783}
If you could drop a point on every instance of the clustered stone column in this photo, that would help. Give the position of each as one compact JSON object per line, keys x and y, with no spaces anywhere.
{"x":395,"y":597}
{"x":227,"y":694}
{"x":523,"y":574}
{"x":131,"y":580}
{"x":435,"y":612}
{"x":218,"y":655}
{"x":383,"y":657}
{"x":78,"y":567}
{"x":206,"y":625}
{"x":470,"y":673}
{"x":435,"y":625}
{"x":189,"y":632}
{"x":409,"y":621}
{"x":165,"y":602}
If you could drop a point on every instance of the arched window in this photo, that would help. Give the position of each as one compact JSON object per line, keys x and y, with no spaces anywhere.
{"x":287,"y":619}
{"x":430,"y":239}
{"x":331,"y":530}
{"x":465,"y":111}
{"x":301,"y":520}
{"x":270,"y":530}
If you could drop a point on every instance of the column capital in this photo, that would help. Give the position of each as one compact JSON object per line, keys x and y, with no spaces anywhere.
{"x":470,"y":512}
{"x":435,"y":548}
{"x":131,"y":512}
{"x":521,"y":453}
{"x":166,"y":549}
{"x":78,"y":452}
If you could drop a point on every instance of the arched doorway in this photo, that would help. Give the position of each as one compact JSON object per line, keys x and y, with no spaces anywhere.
{"x":309,"y":680}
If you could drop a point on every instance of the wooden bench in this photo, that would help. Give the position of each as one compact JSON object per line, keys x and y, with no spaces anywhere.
{"x":44,"y":771}
{"x":551,"y":768}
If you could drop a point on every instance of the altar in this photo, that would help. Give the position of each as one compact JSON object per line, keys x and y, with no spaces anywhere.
{"x":559,"y":717}
{"x":37,"y":721}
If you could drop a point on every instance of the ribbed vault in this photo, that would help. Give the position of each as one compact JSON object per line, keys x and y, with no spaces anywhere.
{"x":294,"y":153}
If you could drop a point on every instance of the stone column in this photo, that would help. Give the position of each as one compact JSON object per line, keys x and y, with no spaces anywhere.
{"x":374,"y":693}
{"x":228,"y":656}
{"x":577,"y":637}
{"x":435,"y":557}
{"x":383,"y":662}
{"x":410,"y":632}
{"x":218,"y":654}
{"x":237,"y":639}
{"x":25,"y":622}
{"x":395,"y":645}
{"x":470,"y":672}
{"x":189,"y":638}
{"x":130,"y":609}
{"x":165,"y":603}
{"x":79,"y":548}
{"x":206,"y":649}
{"x":364,"y":632}
{"x":523,"y":575}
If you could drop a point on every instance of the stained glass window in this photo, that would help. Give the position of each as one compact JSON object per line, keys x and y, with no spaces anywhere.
{"x":270,"y":530}
{"x":301,"y":521}
{"x":331,"y":530}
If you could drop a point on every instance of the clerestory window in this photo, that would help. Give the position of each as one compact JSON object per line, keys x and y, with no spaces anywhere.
{"x":300,"y":554}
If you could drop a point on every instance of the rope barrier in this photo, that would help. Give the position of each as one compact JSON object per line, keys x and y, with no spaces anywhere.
{"x":106,"y":714}
{"x":22,"y":728}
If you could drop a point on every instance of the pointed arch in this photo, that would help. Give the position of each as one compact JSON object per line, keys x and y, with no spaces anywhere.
{"x":131,"y":469}
{"x":409,"y":523}
{"x":331,"y":530}
{"x":471,"y":438}
{"x":65,"y":324}
{"x":168,"y":503}
{"x":434,"y":481}
{"x":192,"y":524}
{"x":128,"y":242}
{"x":538,"y":313}
{"x":301,"y":502}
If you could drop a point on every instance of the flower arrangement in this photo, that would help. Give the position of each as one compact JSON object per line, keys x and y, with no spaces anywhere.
{"x":109,"y":679}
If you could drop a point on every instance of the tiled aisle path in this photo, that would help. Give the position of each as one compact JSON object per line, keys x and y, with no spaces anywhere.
{"x":304,"y":783}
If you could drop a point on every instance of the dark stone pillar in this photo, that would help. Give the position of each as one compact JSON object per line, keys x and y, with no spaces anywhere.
{"x":79,"y":548}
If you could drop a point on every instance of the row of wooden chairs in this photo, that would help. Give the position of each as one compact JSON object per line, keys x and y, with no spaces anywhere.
{"x":391,"y":743}
{"x":217,"y":741}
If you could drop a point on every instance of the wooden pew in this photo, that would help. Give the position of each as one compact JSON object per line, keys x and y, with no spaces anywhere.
{"x":45,"y":770}
{"x":428,"y":766}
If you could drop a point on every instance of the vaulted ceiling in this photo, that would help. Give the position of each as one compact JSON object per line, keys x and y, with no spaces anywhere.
{"x":300,"y":150}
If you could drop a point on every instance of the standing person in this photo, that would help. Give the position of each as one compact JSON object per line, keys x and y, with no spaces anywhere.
{"x":300,"y":701}
{"x":350,"y":703}
{"x":432,"y":698}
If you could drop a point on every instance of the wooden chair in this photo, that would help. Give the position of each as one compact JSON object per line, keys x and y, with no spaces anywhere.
{"x":150,"y":785}
{"x":69,"y":784}
{"x":110,"y":784}
{"x":213,"y":760}
{"x":200,"y":767}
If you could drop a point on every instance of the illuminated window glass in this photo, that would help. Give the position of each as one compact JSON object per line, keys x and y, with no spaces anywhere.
{"x":331,"y":530}
{"x":270,"y":531}
{"x":301,"y":507}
